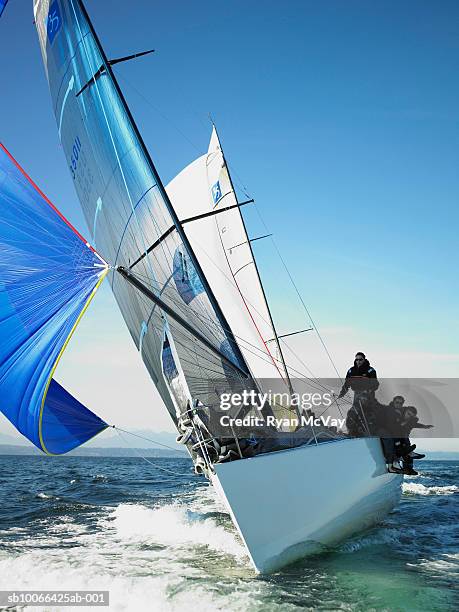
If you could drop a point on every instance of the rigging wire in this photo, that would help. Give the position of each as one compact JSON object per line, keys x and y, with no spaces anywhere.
{"x":300,"y":297}
{"x":160,"y":112}
{"x":233,"y":170}
{"x":209,"y":324}
{"x":312,"y":376}
{"x":245,"y":190}
{"x":144,"y":438}
{"x":163,"y":469}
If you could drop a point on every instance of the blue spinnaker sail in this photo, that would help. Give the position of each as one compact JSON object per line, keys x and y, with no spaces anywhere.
{"x":3,"y":3}
{"x":48,"y":275}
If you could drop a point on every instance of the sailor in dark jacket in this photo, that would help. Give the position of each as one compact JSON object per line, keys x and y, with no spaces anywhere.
{"x":362,"y":379}
{"x":400,"y":420}
{"x":409,"y":420}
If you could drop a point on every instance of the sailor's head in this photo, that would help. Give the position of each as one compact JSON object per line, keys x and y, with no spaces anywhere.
{"x":410,"y":412}
{"x":359,"y":358}
{"x":398,"y":401}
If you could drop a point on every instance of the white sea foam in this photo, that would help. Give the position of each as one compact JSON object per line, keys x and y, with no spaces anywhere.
{"x":66,"y":526}
{"x":12,"y":530}
{"x":445,"y":564}
{"x":172,"y":593}
{"x":174,"y":525}
{"x":382,"y":536}
{"x":207,"y":499}
{"x":417,"y":488}
{"x":144,"y":556}
{"x":44,"y":496}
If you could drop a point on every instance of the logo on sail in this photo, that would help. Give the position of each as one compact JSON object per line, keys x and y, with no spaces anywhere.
{"x":53,"y":21}
{"x":216,"y":192}
{"x":186,"y":278}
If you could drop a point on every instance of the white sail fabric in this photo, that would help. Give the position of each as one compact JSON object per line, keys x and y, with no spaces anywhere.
{"x":223,"y":249}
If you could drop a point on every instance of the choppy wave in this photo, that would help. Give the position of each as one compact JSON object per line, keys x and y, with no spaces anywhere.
{"x":140,"y":554}
{"x":378,"y":538}
{"x":176,"y":526}
{"x":167,"y":544}
{"x":420,"y":489}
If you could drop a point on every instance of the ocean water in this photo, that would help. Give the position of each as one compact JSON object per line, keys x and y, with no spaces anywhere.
{"x":162,"y":541}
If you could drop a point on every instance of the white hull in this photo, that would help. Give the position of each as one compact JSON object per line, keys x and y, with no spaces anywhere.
{"x":292,"y":503}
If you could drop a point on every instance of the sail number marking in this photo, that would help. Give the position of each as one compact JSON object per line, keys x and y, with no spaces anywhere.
{"x":80,"y":169}
{"x":75,"y":156}
{"x":53,"y":21}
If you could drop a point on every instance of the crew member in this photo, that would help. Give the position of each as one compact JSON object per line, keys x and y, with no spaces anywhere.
{"x":404,"y":420}
{"x":362,"y":379}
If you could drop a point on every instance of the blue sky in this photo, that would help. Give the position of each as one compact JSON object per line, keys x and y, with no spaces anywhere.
{"x":340,"y":118}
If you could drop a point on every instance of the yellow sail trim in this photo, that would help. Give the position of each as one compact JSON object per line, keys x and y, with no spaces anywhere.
{"x":85,"y":307}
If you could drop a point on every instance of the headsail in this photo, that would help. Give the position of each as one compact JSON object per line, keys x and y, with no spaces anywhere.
{"x":134,"y":225}
{"x":48,"y":276}
{"x":224,"y":250}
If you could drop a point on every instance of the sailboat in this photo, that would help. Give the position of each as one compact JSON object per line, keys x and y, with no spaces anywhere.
{"x":289,"y":503}
{"x":201,"y":330}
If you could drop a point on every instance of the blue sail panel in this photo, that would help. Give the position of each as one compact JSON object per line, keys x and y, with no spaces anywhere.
{"x":48,"y":275}
{"x":66,"y":422}
{"x":3,"y":3}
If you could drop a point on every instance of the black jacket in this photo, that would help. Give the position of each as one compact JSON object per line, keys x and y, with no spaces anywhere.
{"x":389,"y":418}
{"x":404,"y":426}
{"x":360,"y":378}
{"x":391,"y":422}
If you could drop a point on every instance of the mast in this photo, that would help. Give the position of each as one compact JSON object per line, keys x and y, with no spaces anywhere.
{"x":175,"y":219}
{"x":271,"y":320}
